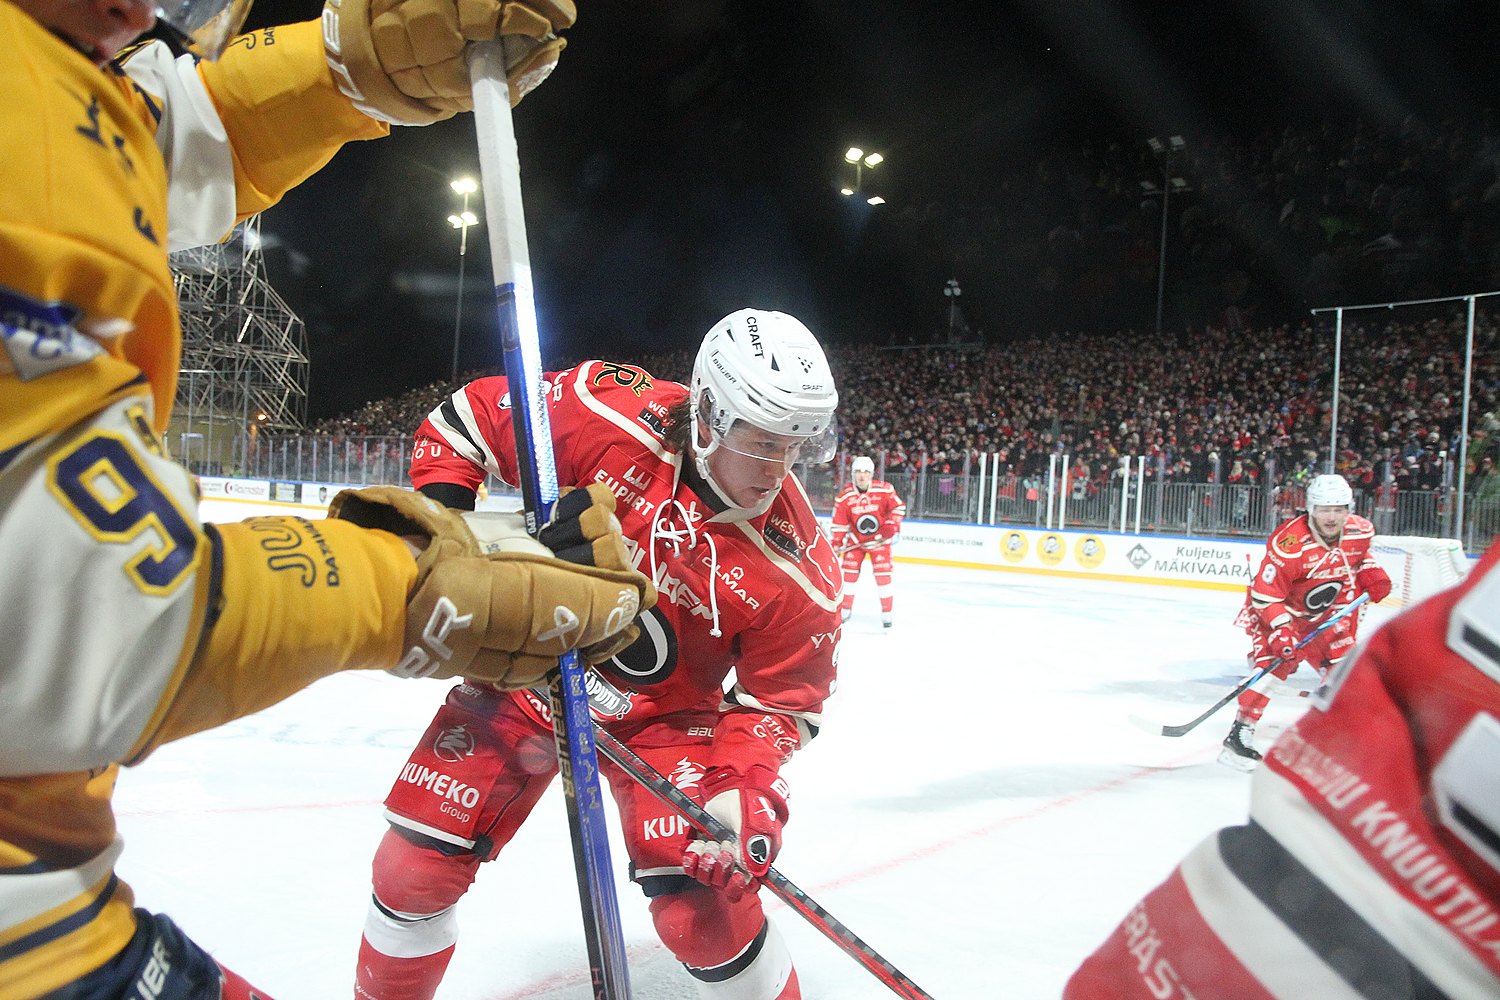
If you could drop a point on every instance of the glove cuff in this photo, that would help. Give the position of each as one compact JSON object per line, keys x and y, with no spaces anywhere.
{"x":357,"y":70}
{"x":759,"y":778}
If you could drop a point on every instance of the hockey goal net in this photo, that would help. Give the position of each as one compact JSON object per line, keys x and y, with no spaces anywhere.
{"x":1419,"y":567}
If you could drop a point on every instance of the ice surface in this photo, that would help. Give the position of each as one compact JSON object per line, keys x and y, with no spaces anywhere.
{"x":977,"y":806}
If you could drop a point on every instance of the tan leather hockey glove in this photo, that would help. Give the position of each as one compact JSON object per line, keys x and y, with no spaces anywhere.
{"x":402,"y":61}
{"x":490,"y":603}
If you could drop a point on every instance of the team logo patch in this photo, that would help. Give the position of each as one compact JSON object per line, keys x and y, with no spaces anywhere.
{"x":867,"y":524}
{"x":622,"y":375}
{"x":1321,"y":597}
{"x":39,"y":337}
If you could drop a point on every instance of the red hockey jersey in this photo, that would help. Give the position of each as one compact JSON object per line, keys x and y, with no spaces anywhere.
{"x":1301,"y":577}
{"x":1371,"y":862}
{"x":758,"y":597}
{"x":860,"y":517}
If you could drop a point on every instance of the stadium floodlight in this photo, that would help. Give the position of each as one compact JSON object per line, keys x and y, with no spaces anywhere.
{"x":861,"y":162}
{"x":1165,"y":153}
{"x":462,"y":220}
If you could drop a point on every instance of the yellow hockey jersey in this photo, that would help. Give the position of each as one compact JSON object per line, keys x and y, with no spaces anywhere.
{"x":88,"y":315}
{"x":87,"y":303}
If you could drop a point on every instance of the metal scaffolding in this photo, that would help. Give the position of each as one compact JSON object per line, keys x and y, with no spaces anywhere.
{"x":244,"y":352}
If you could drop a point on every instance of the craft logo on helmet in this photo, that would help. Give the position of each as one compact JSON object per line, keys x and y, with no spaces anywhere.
{"x":453,"y":744}
{"x":1089,"y":552}
{"x":866,"y":524}
{"x":1321,"y":597}
{"x":1051,"y":548}
{"x":1013,"y":546}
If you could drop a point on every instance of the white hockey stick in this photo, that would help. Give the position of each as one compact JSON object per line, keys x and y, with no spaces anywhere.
{"x":500,"y":174}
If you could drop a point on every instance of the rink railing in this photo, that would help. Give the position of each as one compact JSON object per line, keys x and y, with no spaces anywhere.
{"x":1140,"y":502}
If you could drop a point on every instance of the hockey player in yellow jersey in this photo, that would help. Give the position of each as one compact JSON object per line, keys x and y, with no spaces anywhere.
{"x":127,"y":623}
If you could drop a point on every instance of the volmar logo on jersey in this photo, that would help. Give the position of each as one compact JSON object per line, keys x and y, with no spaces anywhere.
{"x":732,"y":577}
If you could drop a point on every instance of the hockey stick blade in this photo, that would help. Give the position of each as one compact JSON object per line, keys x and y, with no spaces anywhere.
{"x":826,"y":923}
{"x":573,"y":732}
{"x":1234,"y":692}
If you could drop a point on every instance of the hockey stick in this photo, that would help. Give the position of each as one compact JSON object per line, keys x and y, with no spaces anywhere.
{"x":500,"y":174}
{"x":1160,"y":730}
{"x":826,"y":923}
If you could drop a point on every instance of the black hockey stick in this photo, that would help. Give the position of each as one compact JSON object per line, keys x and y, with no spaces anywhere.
{"x":829,"y":925}
{"x":1187,"y":727}
{"x":500,"y":173}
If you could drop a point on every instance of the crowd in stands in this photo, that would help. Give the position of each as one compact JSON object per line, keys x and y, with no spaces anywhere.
{"x":1240,"y":387}
{"x":1230,"y":408}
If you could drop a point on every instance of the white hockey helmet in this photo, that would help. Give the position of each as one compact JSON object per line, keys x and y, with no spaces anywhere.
{"x":863,"y":464}
{"x":767,"y":369}
{"x":1329,"y":491}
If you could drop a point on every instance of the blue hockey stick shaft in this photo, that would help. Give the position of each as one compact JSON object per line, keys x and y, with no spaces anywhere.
{"x":572,"y":725}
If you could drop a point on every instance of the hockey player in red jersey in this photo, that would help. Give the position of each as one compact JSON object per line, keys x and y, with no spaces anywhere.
{"x":867,"y":522}
{"x":1315,"y":564}
{"x":1370,"y":865}
{"x":748,"y":583}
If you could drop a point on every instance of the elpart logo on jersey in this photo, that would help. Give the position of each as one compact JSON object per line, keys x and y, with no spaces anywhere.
{"x":453,"y":744}
{"x":782,"y":536}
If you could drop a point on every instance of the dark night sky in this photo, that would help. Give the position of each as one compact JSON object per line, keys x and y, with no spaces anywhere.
{"x":684,"y":159}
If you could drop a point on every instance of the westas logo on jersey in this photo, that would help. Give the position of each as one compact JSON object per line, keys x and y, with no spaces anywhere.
{"x":783,"y":537}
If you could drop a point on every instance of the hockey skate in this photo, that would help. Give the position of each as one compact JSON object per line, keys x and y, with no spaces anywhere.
{"x":886,"y":621}
{"x":1239,"y":751}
